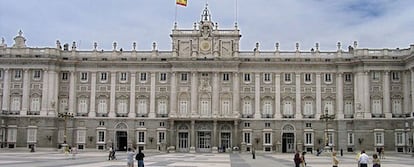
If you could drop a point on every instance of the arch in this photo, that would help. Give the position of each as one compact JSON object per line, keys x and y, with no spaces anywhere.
{"x":182,"y":127}
{"x":121,"y":126}
{"x":225,"y":128}
{"x":288,"y":128}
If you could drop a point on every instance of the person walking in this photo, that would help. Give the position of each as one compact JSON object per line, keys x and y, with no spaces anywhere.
{"x":376,"y":161}
{"x":110,"y":153}
{"x":140,"y":158}
{"x":302,"y":159}
{"x":296,"y":159}
{"x":363,"y":159}
{"x":335,"y":160}
{"x":130,"y":157}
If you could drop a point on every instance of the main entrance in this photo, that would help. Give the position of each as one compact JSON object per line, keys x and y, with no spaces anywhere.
{"x":225,"y":140}
{"x":183,"y":142}
{"x":121,"y":138}
{"x":204,"y":141}
{"x":288,"y":140}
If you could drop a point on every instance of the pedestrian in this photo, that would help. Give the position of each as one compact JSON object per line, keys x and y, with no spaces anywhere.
{"x":357,"y":157}
{"x":302,"y":158}
{"x":253,"y":154}
{"x":74,"y":151}
{"x":296,"y":159}
{"x":140,"y":158}
{"x":382,"y":153}
{"x":335,"y":160}
{"x":342,"y":152}
{"x":376,"y":161}
{"x":363,"y":159}
{"x":110,"y":153}
{"x":130,"y":157}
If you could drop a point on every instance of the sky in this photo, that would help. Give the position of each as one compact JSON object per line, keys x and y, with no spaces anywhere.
{"x":373,"y":23}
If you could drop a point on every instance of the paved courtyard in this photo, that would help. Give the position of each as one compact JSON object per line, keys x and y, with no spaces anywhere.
{"x":92,"y":159}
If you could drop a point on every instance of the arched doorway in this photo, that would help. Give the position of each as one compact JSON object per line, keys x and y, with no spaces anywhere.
{"x":204,"y":138}
{"x":183,"y":139}
{"x":121,"y":137}
{"x":288,"y":139}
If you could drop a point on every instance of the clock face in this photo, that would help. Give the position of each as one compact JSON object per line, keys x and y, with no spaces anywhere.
{"x":205,"y":45}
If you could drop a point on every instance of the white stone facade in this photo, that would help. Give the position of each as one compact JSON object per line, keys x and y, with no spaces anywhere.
{"x":205,"y":95}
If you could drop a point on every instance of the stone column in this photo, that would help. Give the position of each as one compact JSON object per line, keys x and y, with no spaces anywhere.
{"x":92,"y":111}
{"x":152,"y":96}
{"x":339,"y":96}
{"x":257,"y":113}
{"x":406,"y":92}
{"x":215,"y":137}
{"x":192,"y":137}
{"x":172,"y":141}
{"x":112,"y":96}
{"x":386,"y":95}
{"x":215,"y":97}
{"x":44,"y":108}
{"x":6,"y":90}
{"x":236,"y":141}
{"x":367,"y":101}
{"x":173,"y":94}
{"x":277,"y":114}
{"x":194,"y":94}
{"x":26,"y":92}
{"x":318,"y":96}
{"x":132,"y":113}
{"x":358,"y":100}
{"x":52,"y":88}
{"x":236,"y":95}
{"x":298,"y":113}
{"x":72,"y":92}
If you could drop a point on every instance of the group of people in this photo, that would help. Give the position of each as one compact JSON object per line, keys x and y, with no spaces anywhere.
{"x":131,"y":154}
{"x":362,"y":159}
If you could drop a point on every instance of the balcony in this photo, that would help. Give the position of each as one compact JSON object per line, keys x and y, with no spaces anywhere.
{"x":33,"y":112}
{"x":267,"y":115}
{"x":247,"y":116}
{"x":101,"y":115}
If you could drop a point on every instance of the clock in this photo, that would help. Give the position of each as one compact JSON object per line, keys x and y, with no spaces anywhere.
{"x":205,"y":45}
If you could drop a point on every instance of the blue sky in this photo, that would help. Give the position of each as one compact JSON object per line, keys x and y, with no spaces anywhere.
{"x":373,"y":23}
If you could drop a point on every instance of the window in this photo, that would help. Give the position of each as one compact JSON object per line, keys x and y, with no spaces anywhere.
{"x":31,"y":135}
{"x":379,"y":138}
{"x":161,"y":137}
{"x":308,"y":138}
{"x":184,"y":77}
{"x":15,"y":105}
{"x":11,"y":134}
{"x":123,"y":76}
{"x":84,"y":76}
{"x":308,"y":108}
{"x":267,"y":138}
{"x":104,"y":76}
{"x":162,"y":107}
{"x":247,"y":107}
{"x":330,"y":138}
{"x":396,"y":106}
{"x":122,"y":106}
{"x":349,"y":109}
{"x":35,"y":104}
{"x":267,"y":108}
{"x":287,"y":108}
{"x":226,"y":77}
{"x":36,"y":74}
{"x":395,"y":76}
{"x":102,"y":107}
{"x":183,"y":107}
{"x":247,"y":124}
{"x":101,"y":136}
{"x":329,"y":106}
{"x":246,"y":77}
{"x":81,"y":136}
{"x":247,"y":137}
{"x":61,"y":133}
{"x":205,"y":110}
{"x":225,"y":107}
{"x":376,"y":107}
{"x":308,"y":78}
{"x":350,"y":138}
{"x":141,"y":137}
{"x":399,"y":138}
{"x":375,"y":76}
{"x":101,"y":123}
{"x":143,"y":77}
{"x":163,"y":76}
{"x":328,"y":78}
{"x":204,"y":74}
{"x":308,"y":125}
{"x":63,"y":105}
{"x":141,"y":123}
{"x":348,"y":77}
{"x":83,"y":106}
{"x":17,"y":74}
{"x":162,"y":124}
{"x":267,"y":124}
{"x":142,"y":106}
{"x":267,"y":77}
{"x":288,"y":78}
{"x":65,"y":76}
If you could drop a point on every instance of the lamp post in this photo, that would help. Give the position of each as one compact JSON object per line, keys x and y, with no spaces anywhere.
{"x":326,"y":117}
{"x":65,"y":116}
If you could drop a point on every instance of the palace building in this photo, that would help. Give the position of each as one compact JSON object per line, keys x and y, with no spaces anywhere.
{"x":206,"y":95}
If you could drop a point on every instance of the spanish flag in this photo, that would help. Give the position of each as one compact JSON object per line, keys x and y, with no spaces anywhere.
{"x":181,"y":2}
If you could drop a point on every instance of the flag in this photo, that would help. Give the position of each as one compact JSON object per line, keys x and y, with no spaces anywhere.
{"x":181,"y":2}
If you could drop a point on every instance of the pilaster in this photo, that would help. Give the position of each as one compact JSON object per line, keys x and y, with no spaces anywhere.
{"x":6,"y":90}
{"x":236,"y":95}
{"x":412,"y":90}
{"x":45,"y":86}
{"x":132,"y":113}
{"x":52,"y":88}
{"x":367,"y":98}
{"x":298,"y":113}
{"x":277,"y":114}
{"x":318,"y":96}
{"x":194,"y":94}
{"x":112,"y":96}
{"x":215,"y":99}
{"x":257,"y":113}
{"x":406,"y":92}
{"x":72,"y":92}
{"x":173,"y":103}
{"x":26,"y":91}
{"x":92,"y":111}
{"x":386,"y":95}
{"x":192,"y":138}
{"x":339,"y":96}
{"x":152,"y":96}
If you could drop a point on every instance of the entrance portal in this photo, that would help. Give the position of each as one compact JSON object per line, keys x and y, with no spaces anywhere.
{"x":183,"y":142}
{"x":225,"y":141}
{"x":121,"y":140}
{"x":204,"y":141}
{"x":288,"y":140}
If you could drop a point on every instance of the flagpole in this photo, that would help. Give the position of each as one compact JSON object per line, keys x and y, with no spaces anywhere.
{"x":175,"y":15}
{"x":236,"y":12}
